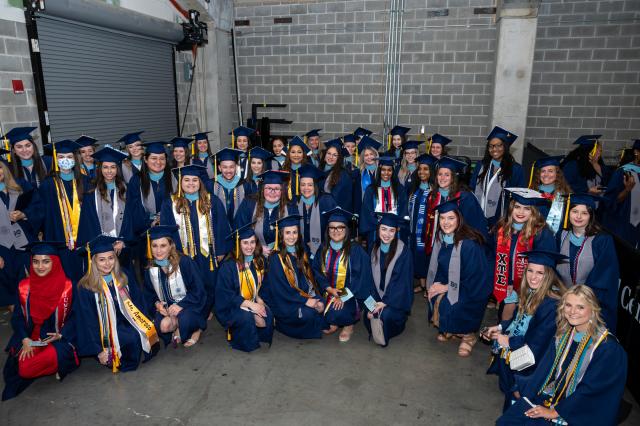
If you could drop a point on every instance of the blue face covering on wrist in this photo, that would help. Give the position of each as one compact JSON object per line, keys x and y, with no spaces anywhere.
{"x":107,"y":278}
{"x":291,"y":249}
{"x":336,"y":245}
{"x":161,"y":262}
{"x":447,"y":238}
{"x":268,"y":205}
{"x":191,"y":197}
{"x":27,"y":163}
{"x":385,"y":183}
{"x":110,"y":186}
{"x":156,"y":176}
{"x":66,"y":176}
{"x":496,"y":163}
{"x":308,"y":201}
{"x":384,"y":247}
{"x":549,"y":188}
{"x":517,"y":226}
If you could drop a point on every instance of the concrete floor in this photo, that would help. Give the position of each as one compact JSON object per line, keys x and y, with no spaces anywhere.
{"x":416,"y":380}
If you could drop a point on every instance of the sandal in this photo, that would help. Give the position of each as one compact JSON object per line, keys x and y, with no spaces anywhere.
{"x":195,"y":337}
{"x":345,"y":334}
{"x":466,"y":345}
{"x":332,"y":329}
{"x":444,"y":337}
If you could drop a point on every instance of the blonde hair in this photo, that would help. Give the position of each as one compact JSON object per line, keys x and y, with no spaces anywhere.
{"x":596,"y":323}
{"x":92,"y":279}
{"x":9,"y":181}
{"x":551,"y":286}
{"x":361,"y":155}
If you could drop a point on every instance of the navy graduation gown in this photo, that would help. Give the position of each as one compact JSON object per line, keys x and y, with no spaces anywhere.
{"x":293,"y":318}
{"x":475,"y":287}
{"x":472,"y":213}
{"x":515,"y":181}
{"x":540,"y":332}
{"x":245,"y":216}
{"x":577,"y":182}
{"x":88,"y":326}
{"x":341,"y":191}
{"x":596,"y":399}
{"x":358,"y":191}
{"x":325,"y":203}
{"x":141,"y":216}
{"x":420,"y":258}
{"x":368,"y":219}
{"x":221,"y":229}
{"x":245,"y":335}
{"x":193,"y":316}
{"x":617,"y":215}
{"x":358,"y":280}
{"x":398,"y":296}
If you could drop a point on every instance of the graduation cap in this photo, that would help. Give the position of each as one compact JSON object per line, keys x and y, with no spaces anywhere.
{"x":427,"y":159}
{"x":18,"y":134}
{"x":273,"y":177}
{"x":312,"y":133}
{"x":448,"y":206}
{"x":242,"y":233}
{"x":101,"y":244}
{"x":109,"y":155}
{"x":361,"y":131}
{"x":636,"y":144}
{"x":156,"y":147}
{"x":130,"y":138}
{"x":544,"y":257}
{"x":502,"y":134}
{"x":290,"y":220}
{"x":157,"y":232}
{"x":587,"y":140}
{"x":544,"y":162}
{"x":368,"y":142}
{"x":309,"y":171}
{"x":386,"y":161}
{"x":438,"y":138}
{"x":577,"y":199}
{"x":260,"y":153}
{"x":188,"y":170}
{"x":228,"y":154}
{"x":45,"y":247}
{"x":179,"y":142}
{"x":390,"y":219}
{"x":399,"y":130}
{"x":452,"y":164}
{"x":337,"y":144}
{"x":240,"y":131}
{"x":349,"y":138}
{"x":526,"y":196}
{"x":296,"y":141}
{"x":66,"y":146}
{"x":85,"y":141}
{"x":338,"y":214}
{"x":201,"y":136}
{"x":411,"y":144}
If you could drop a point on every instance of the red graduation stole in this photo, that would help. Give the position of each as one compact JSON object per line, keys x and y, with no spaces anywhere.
{"x":64,"y":304}
{"x":432,"y":202}
{"x":501,"y":274}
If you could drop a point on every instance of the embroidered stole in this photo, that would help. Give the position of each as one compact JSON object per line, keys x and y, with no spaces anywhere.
{"x":205,"y":232}
{"x":375,"y":266}
{"x":292,"y":277}
{"x":171,"y":289}
{"x":110,"y":213}
{"x":503,"y":262}
{"x":453,"y":292}
{"x":418,"y":224}
{"x":488,"y":192}
{"x":385,"y":201}
{"x":11,"y":234}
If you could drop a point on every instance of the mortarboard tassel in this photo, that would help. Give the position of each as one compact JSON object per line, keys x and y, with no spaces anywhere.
{"x":215,"y":166}
{"x":275,"y":245}
{"x":356,"y":155}
{"x":179,"y":183}
{"x":88,"y":259}
{"x":210,"y":262}
{"x":305,"y":139}
{"x":566,"y":212}
{"x":6,"y":146}
{"x":533,"y":167}
{"x":193,"y":149}
{"x":389,"y":142}
{"x":428,"y":144}
{"x":237,"y":244}
{"x":149,"y":256}
{"x":55,"y":158}
{"x":594,"y":149}
{"x":233,"y":140}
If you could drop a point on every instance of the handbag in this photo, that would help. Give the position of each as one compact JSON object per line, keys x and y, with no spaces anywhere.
{"x":377,"y":332}
{"x":521,"y":358}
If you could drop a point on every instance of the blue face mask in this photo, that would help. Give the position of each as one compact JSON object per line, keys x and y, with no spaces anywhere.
{"x":549,"y":188}
{"x":156,"y":176}
{"x":385,"y":183}
{"x":66,"y":176}
{"x":107,"y":278}
{"x":66,"y":163}
{"x":384,"y":247}
{"x":496,"y":163}
{"x":308,"y":201}
{"x":191,"y":197}
{"x":2,"y":186}
{"x":249,"y":258}
{"x":291,"y":249}
{"x":443,"y":192}
{"x":336,"y":245}
{"x":268,"y":205}
{"x":162,"y":263}
{"x":575,"y":240}
{"x":111,"y":186}
{"x":27,"y":163}
{"x":517,"y":226}
{"x":447,"y":238}
{"x":370,"y":167}
{"x":295,"y":166}
{"x":424,"y":186}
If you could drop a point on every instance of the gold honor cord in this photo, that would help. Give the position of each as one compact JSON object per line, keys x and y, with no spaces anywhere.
{"x":533,"y":167}
{"x":70,"y":215}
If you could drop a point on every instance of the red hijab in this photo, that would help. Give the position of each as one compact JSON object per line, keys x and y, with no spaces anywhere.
{"x":45,"y":292}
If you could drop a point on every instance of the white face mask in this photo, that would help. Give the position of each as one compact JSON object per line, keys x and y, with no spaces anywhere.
{"x":66,"y":163}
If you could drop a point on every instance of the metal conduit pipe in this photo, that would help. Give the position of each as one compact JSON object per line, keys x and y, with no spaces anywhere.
{"x":399,"y":60}
{"x":387,"y":89}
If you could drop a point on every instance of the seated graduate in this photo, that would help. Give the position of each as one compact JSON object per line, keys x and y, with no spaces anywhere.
{"x":58,"y":212}
{"x":201,"y":155}
{"x":365,"y":174}
{"x":239,"y":304}
{"x":437,"y":146}
{"x":42,"y":323}
{"x":408,"y":165}
{"x":580,"y":379}
{"x":16,"y":231}
{"x":418,"y":193}
{"x":228,"y":185}
{"x":343,"y":271}
{"x":622,"y":213}
{"x":311,"y":205}
{"x":547,"y":177}
{"x":290,"y":288}
{"x":109,"y":311}
{"x":522,"y":229}
{"x":496,"y":171}
{"x":24,"y":159}
{"x":104,"y":209}
{"x":202,"y":226}
{"x":132,"y":165}
{"x":173,"y":290}
{"x":584,"y":168}
{"x":336,"y":179}
{"x":259,"y":162}
{"x":279,"y":149}
{"x":592,"y":258}
{"x":458,"y":280}
{"x":265,"y":207}
{"x":180,"y":153}
{"x":395,"y":139}
{"x":391,"y":291}
{"x":533,"y":325}
{"x":384,"y":195}
{"x":241,"y":141}
{"x":85,"y":157}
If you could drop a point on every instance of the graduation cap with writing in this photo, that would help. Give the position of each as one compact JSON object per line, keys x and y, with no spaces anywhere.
{"x":390,"y":219}
{"x":179,"y":142}
{"x":545,"y":162}
{"x":155,"y":147}
{"x":427,"y":159}
{"x":411,"y":144}
{"x":452,"y":164}
{"x":361,"y":131}
{"x":310,"y":171}
{"x":274,"y":177}
{"x":338,"y":214}
{"x":85,"y":141}
{"x":109,"y":155}
{"x":290,"y":220}
{"x":349,"y":138}
{"x":241,"y":233}
{"x":130,"y":138}
{"x":544,"y":257}
{"x":337,"y":144}
{"x":297,"y":141}
{"x":47,"y":248}
{"x":502,"y":134}
{"x":18,"y":134}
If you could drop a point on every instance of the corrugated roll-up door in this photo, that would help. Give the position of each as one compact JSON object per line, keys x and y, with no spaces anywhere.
{"x":106,"y":83}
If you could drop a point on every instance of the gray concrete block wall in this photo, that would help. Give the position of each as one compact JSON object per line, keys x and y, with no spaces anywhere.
{"x":586,"y":75}
{"x":15,"y":64}
{"x":328,"y":66}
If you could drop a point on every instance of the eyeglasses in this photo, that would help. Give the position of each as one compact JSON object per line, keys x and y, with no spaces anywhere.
{"x":337,"y":228}
{"x":270,"y":189}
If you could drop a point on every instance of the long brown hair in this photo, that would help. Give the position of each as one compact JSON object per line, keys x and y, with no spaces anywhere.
{"x":336,"y":170}
{"x":562,"y":186}
{"x":258,"y":257}
{"x":286,"y":166}
{"x":92,"y":278}
{"x":182,"y":204}
{"x":145,"y":180}
{"x":533,"y":226}
{"x":101,"y":185}
{"x":260,"y":200}
{"x":551,"y":286}
{"x":174,"y":257}
{"x":392,"y":248}
{"x":38,"y":164}
{"x":302,"y":259}
{"x":464,"y":231}
{"x":9,"y":181}
{"x":593,"y":227}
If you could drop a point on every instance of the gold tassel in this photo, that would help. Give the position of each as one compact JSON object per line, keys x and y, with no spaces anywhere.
{"x":356,"y":155}
{"x":389,"y":142}
{"x":88,"y":259}
{"x":237,"y":245}
{"x":297,"y":183}
{"x":149,"y":255}
{"x":55,"y":158}
{"x":594,"y":150}
{"x":210,"y":262}
{"x":6,"y":146}
{"x":428,"y":144}
{"x":620,"y":160}
{"x":228,"y":334}
{"x":566,"y":212}
{"x":533,"y":167}
{"x":179,"y":183}
{"x":215,"y":166}
{"x":193,"y":149}
{"x":275,"y":245}
{"x":233,"y":140}
{"x":305,"y":139}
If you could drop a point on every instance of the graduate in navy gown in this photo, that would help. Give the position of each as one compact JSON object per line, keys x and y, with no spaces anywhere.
{"x":297,"y":156}
{"x":396,"y":137}
{"x":622,"y":213}
{"x":174,"y":293}
{"x":265,"y":207}
{"x":584,"y":168}
{"x":85,"y":156}
{"x":24,"y":158}
{"x":290,"y":288}
{"x":547,"y":178}
{"x":343,"y":271}
{"x":241,"y":141}
{"x":228,"y":186}
{"x":408,"y":165}
{"x":104,"y":209}
{"x":202,"y":225}
{"x":437,"y":146}
{"x":16,"y":231}
{"x":110,"y":312}
{"x":350,"y":163}
{"x":259,"y":162}
{"x":239,"y":304}
{"x":522,"y":229}
{"x":384,"y":195}
{"x":60,"y":201}
{"x":311,"y":206}
{"x":279,"y":149}
{"x":592,"y":258}
{"x":312,"y":140}
{"x":458,"y":279}
{"x":42,"y":322}
{"x":181,"y":152}
{"x":497,"y":170}
{"x":132,"y":165}
{"x":366,"y":167}
{"x":337,"y":180}
{"x":202,"y":154}
{"x":391,"y":290}
{"x":418,"y":221}
{"x":580,"y":379}
{"x":533,"y":324}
